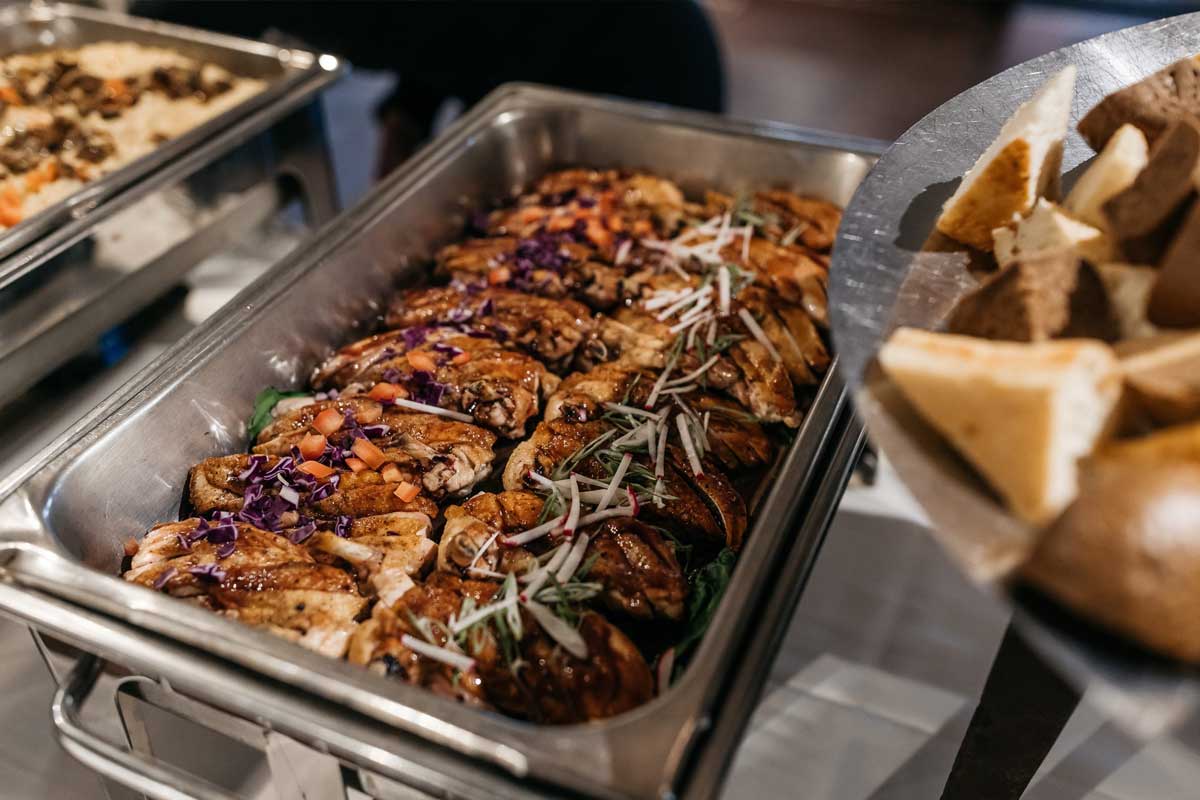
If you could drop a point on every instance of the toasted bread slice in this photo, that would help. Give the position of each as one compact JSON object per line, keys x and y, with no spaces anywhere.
{"x":1112,"y":172}
{"x":1129,"y":287}
{"x":1020,"y":166}
{"x":1049,"y":228}
{"x":1022,"y":414}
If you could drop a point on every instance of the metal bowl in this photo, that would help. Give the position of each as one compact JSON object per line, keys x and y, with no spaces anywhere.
{"x":880,"y":280}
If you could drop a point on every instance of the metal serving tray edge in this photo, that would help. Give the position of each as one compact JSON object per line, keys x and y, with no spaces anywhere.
{"x":21,"y":27}
{"x":65,"y":517}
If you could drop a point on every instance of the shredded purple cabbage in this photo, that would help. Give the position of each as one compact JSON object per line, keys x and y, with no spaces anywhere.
{"x":210,"y":572}
{"x":300,"y":533}
{"x":415,"y":336}
{"x":163,"y":577}
{"x":325,"y":489}
{"x":342,"y":526}
{"x":459,"y":315}
{"x":424,"y":389}
{"x":391,"y":375}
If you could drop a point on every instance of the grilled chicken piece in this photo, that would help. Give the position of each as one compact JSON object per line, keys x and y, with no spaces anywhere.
{"x":746,"y":370}
{"x":706,"y":509}
{"x":549,"y":330}
{"x":631,"y":560}
{"x":595,"y":205}
{"x":548,"y":265}
{"x":389,"y":551}
{"x":780,"y":216}
{"x":442,"y":455}
{"x":550,"y":685}
{"x":214,"y":485}
{"x":499,"y":387}
{"x":790,"y":273}
{"x":265,"y":580}
{"x":736,"y":438}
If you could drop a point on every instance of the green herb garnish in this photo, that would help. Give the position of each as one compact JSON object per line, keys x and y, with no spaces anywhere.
{"x":263,"y":405}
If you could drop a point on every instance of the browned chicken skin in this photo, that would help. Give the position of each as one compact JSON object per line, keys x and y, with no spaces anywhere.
{"x":632,"y":561}
{"x":705,"y":509}
{"x":264,"y":580}
{"x":549,"y":685}
{"x":441,"y":455}
{"x":549,"y":330}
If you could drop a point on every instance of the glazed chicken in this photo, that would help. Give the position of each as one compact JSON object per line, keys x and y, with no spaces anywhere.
{"x":529,"y":677}
{"x":387,"y":551}
{"x":263,"y":580}
{"x":547,"y":329}
{"x":547,"y":265}
{"x":499,"y":387}
{"x":214,"y":485}
{"x":737,"y":439}
{"x":441,"y":455}
{"x":632,"y":561}
{"x":704,"y":508}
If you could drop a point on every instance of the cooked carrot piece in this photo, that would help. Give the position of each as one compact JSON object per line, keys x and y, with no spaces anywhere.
{"x":384,"y":391}
{"x":316,"y":469}
{"x":312,"y":445}
{"x":407,"y":492}
{"x":371,"y":455}
{"x":421,"y":361}
{"x":329,"y":421}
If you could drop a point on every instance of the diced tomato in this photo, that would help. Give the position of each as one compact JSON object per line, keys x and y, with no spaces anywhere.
{"x":316,"y":469}
{"x":371,"y":455}
{"x":421,"y":361}
{"x":329,"y":421}
{"x":391,"y":473}
{"x":46,"y":173}
{"x":560,"y":222}
{"x":312,"y":445}
{"x":370,"y":415}
{"x":384,"y":391}
{"x":10,"y":206}
{"x":596,"y":231}
{"x":499,"y":275}
{"x":461,"y":358}
{"x":10,"y":95}
{"x":407,"y":492}
{"x":115,"y":87}
{"x":356,"y":464}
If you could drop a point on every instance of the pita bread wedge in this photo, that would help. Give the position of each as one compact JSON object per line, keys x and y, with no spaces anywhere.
{"x":1022,"y":414}
{"x":1162,"y":376}
{"x":1129,"y":287}
{"x":1113,"y":171}
{"x":1049,"y":228}
{"x":1020,"y":166}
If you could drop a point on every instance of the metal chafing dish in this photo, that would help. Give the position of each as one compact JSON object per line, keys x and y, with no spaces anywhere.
{"x":64,"y":518}
{"x":69,"y":273}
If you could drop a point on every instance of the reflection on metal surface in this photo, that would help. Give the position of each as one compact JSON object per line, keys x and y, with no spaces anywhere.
{"x":876,"y":266}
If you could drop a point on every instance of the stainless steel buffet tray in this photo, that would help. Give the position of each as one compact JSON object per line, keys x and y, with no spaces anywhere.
{"x":41,"y":26}
{"x":121,"y":469}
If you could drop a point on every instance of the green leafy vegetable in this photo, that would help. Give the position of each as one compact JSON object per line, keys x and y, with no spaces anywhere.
{"x":707,"y":588}
{"x":263,"y":404}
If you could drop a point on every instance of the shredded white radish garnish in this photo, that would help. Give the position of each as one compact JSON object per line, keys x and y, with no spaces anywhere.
{"x":707,"y":415}
{"x":677,"y":390}
{"x":678,"y":305}
{"x":752,"y":324}
{"x":457,"y":660}
{"x":658,"y":386}
{"x":573,"y":515}
{"x":723,"y":289}
{"x":679,"y":270}
{"x":565,"y":484}
{"x":689,"y":446}
{"x":660,"y":462}
{"x":479,"y":553}
{"x":623,"y":252}
{"x":428,"y":409}
{"x":574,"y":559}
{"x":694,"y":374}
{"x":637,"y":412}
{"x":618,"y":476}
{"x":542,"y":479}
{"x":533,"y":533}
{"x":537,"y":579}
{"x":558,"y":630}
{"x":664,"y":297}
{"x":651,"y":438}
{"x":747,"y":232}
{"x":485,"y":573}
{"x":608,"y":513}
{"x":689,"y":320}
{"x":631,"y":435}
{"x":483,"y":612}
{"x":711,"y":337}
{"x":658,"y":492}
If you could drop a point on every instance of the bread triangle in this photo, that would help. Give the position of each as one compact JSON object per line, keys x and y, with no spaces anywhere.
{"x":1048,"y":228}
{"x":1019,"y":166}
{"x":1022,"y":414}
{"x":1112,"y":172}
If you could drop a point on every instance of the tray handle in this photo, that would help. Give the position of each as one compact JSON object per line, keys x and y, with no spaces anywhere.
{"x":136,"y":771}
